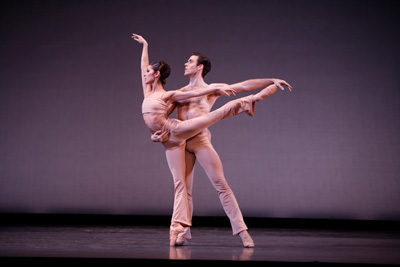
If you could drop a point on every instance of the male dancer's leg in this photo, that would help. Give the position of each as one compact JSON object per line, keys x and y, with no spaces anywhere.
{"x":212,"y":165}
{"x":181,"y":216}
{"x":190,"y":160}
{"x":200,"y":146}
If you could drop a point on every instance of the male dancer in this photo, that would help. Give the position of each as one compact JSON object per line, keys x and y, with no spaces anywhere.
{"x":199,"y":147}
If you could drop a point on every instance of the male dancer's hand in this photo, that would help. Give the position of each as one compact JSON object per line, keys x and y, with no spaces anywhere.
{"x":225,"y":91}
{"x":278,"y":83}
{"x":222,"y":89}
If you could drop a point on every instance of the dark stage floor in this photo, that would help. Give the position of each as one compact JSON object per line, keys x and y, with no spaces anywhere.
{"x":140,"y":243}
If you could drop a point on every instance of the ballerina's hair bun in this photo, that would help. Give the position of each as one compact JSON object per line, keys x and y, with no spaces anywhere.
{"x":163,"y":68}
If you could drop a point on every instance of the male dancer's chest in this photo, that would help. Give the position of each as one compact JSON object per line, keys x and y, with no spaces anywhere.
{"x":194,"y":107}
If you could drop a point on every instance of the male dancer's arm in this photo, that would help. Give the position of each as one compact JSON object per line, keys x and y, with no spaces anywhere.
{"x":219,"y":89}
{"x":171,"y":109}
{"x":254,"y":84}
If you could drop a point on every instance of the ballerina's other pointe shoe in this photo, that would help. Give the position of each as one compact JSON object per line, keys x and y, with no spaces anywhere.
{"x":173,"y":235}
{"x":247,"y":240}
{"x":248,"y":105}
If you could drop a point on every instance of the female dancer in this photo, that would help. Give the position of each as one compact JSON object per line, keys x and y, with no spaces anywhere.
{"x":173,"y":133}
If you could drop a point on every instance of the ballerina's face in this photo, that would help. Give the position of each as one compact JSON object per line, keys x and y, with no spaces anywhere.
{"x":150,"y":75}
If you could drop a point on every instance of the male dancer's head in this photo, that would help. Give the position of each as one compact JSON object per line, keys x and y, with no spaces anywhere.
{"x":197,"y":66}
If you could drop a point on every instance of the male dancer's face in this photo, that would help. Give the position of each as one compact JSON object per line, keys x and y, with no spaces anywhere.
{"x":191,"y":67}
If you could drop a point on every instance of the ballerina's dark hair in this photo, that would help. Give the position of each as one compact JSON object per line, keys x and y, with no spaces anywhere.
{"x":163,"y":68}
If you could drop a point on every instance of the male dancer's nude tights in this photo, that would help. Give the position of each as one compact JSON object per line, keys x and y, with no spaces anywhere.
{"x":180,"y":131}
{"x":199,"y":147}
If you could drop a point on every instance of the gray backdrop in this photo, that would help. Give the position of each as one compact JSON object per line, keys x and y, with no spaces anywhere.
{"x":72,"y":139}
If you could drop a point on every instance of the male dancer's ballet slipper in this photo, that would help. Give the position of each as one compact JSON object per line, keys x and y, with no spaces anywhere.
{"x":248,"y":104}
{"x":181,"y":240}
{"x":246,"y":239}
{"x":173,"y":234}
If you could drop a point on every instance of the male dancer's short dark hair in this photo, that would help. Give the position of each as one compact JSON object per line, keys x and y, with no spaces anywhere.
{"x":201,"y":59}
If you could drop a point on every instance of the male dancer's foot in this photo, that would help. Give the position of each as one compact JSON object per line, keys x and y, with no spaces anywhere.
{"x":173,"y":234}
{"x":246,"y":239}
{"x":181,"y":240}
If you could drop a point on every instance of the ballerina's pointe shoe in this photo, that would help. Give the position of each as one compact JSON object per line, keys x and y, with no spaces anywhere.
{"x":246,"y":239}
{"x":173,"y":234}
